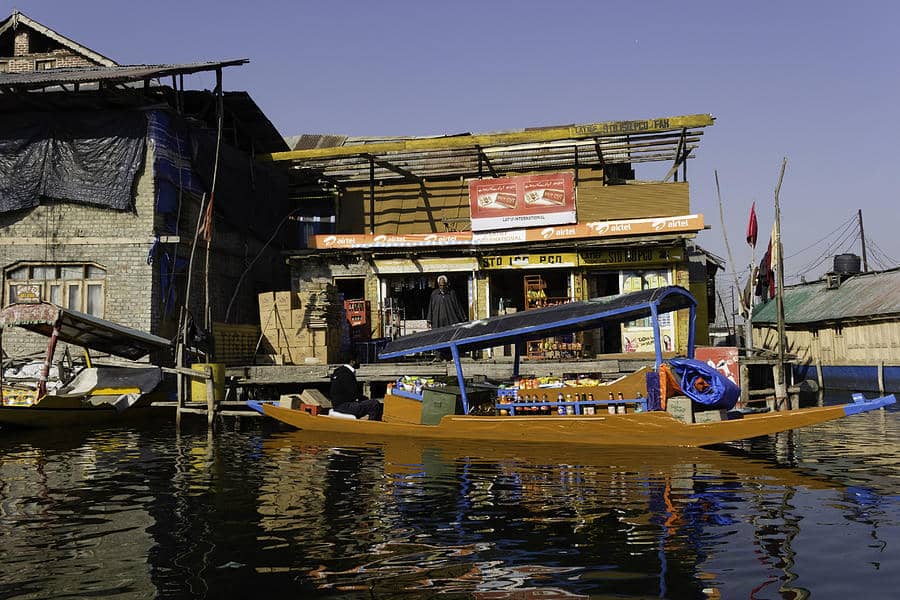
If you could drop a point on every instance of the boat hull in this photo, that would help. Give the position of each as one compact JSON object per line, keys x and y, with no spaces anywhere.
{"x":656,"y":428}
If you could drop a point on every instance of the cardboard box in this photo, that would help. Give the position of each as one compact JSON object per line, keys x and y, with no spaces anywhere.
{"x":292,"y":401}
{"x":315,"y":398}
{"x":287,"y":300}
{"x":681,"y":407}
{"x":710,"y":416}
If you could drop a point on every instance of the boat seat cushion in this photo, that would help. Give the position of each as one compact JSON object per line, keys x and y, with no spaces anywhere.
{"x":340,"y":415}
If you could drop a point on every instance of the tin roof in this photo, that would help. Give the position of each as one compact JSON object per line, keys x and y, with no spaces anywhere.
{"x":866,"y":295}
{"x":346,"y":160}
{"x":115,"y":75}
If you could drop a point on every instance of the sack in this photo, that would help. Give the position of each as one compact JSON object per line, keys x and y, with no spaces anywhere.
{"x":705,"y":384}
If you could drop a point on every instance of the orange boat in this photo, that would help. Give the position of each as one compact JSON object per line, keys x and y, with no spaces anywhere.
{"x":626,"y":421}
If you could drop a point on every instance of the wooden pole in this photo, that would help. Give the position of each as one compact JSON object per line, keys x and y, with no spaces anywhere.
{"x":210,"y":396}
{"x":780,"y":385}
{"x":862,"y":241}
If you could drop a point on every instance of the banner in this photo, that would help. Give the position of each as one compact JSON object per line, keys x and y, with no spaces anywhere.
{"x":522,"y":201}
{"x":588,"y":231}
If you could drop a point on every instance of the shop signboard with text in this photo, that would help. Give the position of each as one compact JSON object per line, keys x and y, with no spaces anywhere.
{"x":529,"y":261}
{"x":522,"y":201}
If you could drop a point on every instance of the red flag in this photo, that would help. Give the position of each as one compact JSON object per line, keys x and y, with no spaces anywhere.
{"x":752,"y":227}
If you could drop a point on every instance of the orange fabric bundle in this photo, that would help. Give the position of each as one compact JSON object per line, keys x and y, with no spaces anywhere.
{"x":668,"y":385}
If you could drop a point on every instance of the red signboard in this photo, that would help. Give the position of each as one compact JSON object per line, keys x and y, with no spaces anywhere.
{"x":524,"y":201}
{"x":722,"y":358}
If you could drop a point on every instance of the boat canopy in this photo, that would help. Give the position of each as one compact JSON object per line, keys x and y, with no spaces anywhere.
{"x":541,"y":323}
{"x":82,"y":329}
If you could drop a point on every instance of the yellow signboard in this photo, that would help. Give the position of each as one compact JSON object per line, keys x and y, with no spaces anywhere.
{"x":630,"y":255}
{"x":529,"y":261}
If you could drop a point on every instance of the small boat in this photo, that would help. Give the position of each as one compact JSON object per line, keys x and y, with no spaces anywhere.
{"x":94,"y":394}
{"x":643,"y":419}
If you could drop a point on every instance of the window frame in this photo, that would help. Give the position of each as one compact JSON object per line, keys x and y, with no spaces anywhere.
{"x":63,"y":286}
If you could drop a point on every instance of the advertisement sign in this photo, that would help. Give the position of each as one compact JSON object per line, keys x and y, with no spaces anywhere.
{"x":637,"y":336}
{"x":522,"y":201}
{"x":529,"y":261}
{"x":611,"y":257}
{"x":722,"y":358}
{"x":593,"y":230}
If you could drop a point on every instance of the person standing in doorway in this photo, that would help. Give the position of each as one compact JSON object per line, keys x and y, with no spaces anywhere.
{"x":346,"y":396}
{"x":444,"y":308}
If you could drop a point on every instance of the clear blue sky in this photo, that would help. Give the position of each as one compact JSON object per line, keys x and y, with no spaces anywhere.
{"x":816,"y":82}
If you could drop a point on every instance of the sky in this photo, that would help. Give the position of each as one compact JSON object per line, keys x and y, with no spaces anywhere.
{"x":813,"y":82}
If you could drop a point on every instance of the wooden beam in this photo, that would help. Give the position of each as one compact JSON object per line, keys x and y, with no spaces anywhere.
{"x":678,"y":156}
{"x":385,"y":164}
{"x":589,"y":130}
{"x":484,"y":160}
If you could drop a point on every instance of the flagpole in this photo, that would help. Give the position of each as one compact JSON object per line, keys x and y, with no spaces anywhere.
{"x":748,"y":324}
{"x":780,"y":384}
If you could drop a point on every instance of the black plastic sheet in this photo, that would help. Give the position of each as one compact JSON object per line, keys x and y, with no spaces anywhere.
{"x":81,"y":157}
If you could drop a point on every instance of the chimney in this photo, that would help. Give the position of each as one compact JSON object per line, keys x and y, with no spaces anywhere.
{"x":20,"y":46}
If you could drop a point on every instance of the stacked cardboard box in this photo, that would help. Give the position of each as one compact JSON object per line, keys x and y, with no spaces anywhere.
{"x":301,"y":327}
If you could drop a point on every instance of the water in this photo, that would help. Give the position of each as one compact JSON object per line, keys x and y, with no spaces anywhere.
{"x":253,"y":509}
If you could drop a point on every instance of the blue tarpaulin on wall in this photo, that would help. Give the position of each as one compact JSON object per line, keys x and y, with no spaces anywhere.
{"x":172,"y":166}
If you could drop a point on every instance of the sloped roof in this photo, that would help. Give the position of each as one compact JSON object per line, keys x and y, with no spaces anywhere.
{"x":118,"y":74}
{"x":350,"y":159}
{"x":17,"y":19}
{"x":866,"y":295}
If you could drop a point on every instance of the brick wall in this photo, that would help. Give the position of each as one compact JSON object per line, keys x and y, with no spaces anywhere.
{"x":116,"y":241}
{"x":23,"y":61}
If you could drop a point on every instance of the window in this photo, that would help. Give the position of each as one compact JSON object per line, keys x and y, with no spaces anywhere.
{"x":77,"y":286}
{"x":45,"y":64}
{"x":4,"y":66}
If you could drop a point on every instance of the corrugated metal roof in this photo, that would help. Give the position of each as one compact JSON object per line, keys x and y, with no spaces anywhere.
{"x":592,"y":145}
{"x":117,"y":74}
{"x":874,"y":294}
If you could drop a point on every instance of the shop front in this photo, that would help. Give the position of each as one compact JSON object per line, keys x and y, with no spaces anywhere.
{"x":619,"y":270}
{"x":405,"y":286}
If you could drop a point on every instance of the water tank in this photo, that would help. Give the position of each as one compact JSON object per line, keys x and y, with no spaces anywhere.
{"x":846,"y":263}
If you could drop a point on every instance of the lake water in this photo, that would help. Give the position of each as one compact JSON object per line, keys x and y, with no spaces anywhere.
{"x":252,"y":509}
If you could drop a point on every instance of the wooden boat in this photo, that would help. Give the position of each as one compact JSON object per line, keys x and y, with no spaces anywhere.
{"x":95,"y":394}
{"x":636,"y":426}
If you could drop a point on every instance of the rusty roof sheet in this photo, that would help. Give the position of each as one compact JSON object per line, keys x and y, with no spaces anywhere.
{"x":865,"y":295}
{"x":116,"y":74}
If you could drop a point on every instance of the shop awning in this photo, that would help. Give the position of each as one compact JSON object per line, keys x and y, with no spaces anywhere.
{"x":408,"y":266}
{"x":546,"y":322}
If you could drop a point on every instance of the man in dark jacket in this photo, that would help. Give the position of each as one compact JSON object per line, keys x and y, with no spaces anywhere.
{"x":346,"y":397}
{"x":444,"y":308}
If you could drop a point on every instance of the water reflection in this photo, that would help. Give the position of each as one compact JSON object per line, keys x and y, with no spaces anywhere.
{"x":250,"y":509}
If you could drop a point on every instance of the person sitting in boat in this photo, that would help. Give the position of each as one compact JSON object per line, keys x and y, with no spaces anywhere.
{"x":346,"y":396}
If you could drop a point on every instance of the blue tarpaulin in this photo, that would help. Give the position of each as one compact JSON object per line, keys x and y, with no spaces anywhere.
{"x":705,"y":384}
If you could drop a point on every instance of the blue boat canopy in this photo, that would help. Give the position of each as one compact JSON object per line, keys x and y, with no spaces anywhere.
{"x":541,"y":323}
